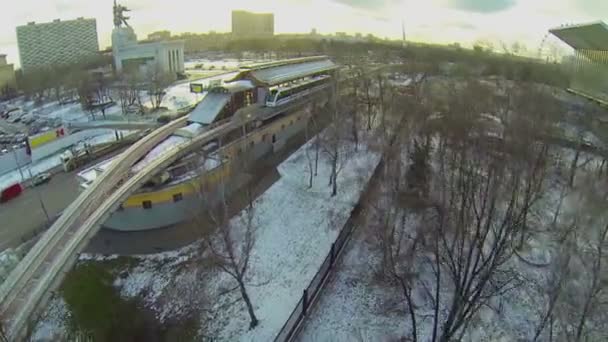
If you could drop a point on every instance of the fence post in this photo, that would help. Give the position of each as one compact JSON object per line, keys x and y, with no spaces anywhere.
{"x":333,"y":254}
{"x":304,"y":301}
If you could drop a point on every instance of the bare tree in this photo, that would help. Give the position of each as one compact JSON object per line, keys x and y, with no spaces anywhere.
{"x":229,"y":244}
{"x":313,"y":164}
{"x":129,"y":94}
{"x":468,"y":226}
{"x":335,"y":143}
{"x":554,"y":289}
{"x":228,"y":240}
{"x":367,"y":98}
{"x":157,"y":82}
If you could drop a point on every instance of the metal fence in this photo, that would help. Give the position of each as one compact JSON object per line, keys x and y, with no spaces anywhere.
{"x":312,"y":291}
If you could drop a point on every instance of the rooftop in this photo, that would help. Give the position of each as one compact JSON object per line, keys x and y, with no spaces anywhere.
{"x":587,"y":36}
{"x":209,"y":108}
{"x":269,"y":74}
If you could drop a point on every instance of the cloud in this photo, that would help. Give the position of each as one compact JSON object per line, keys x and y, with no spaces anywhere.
{"x":367,"y":4}
{"x":481,"y":6}
{"x":461,"y":25}
{"x":595,"y":8}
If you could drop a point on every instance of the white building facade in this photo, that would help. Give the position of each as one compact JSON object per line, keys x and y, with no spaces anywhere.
{"x":56,"y":43}
{"x":128,"y":54}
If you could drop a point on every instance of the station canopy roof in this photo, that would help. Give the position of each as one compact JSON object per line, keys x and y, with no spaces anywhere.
{"x":591,"y":36}
{"x":270,"y":74}
{"x":209,"y":108}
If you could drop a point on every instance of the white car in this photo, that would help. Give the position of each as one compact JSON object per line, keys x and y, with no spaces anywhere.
{"x":41,"y":179}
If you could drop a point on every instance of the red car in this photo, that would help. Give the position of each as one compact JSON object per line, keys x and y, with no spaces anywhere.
{"x":11,"y":192}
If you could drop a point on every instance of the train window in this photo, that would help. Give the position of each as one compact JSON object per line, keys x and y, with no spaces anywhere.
{"x":147,"y":204}
{"x":178,"y":197}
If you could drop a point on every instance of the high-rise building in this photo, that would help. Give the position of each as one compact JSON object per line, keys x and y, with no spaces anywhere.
{"x":252,"y":25}
{"x":56,"y":43}
{"x":7,"y":74}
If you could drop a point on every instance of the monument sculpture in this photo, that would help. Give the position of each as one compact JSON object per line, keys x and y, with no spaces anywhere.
{"x":119,"y":17}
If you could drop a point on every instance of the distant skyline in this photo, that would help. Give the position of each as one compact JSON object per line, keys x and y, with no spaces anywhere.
{"x":435,"y":21}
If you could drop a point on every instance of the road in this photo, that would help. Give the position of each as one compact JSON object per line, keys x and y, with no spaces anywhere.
{"x":56,"y":195}
{"x":23,"y":217}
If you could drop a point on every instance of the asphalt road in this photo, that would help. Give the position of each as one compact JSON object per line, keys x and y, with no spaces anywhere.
{"x":23,"y":217}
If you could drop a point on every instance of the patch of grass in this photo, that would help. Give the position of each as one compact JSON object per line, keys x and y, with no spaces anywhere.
{"x":97,"y":308}
{"x":185,"y":330}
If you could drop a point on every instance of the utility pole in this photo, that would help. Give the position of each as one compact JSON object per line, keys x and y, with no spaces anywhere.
{"x":18,"y":165}
{"x":48,"y":219}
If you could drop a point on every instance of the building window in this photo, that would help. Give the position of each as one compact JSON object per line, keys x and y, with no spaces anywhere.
{"x":282,"y":127}
{"x":147,"y":204}
{"x":251,"y":143}
{"x":178,"y":197}
{"x":274,"y":138}
{"x":121,"y":208}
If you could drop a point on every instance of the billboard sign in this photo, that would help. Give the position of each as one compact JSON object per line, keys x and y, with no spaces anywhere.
{"x":196,"y":88}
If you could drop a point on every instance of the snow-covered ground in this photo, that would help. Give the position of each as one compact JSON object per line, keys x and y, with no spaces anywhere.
{"x":357,"y":305}
{"x":223,"y":64}
{"x":9,"y":258}
{"x":179,"y":95}
{"x":295,"y":229}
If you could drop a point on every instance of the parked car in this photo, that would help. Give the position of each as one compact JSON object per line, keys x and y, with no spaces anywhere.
{"x":41,"y":179}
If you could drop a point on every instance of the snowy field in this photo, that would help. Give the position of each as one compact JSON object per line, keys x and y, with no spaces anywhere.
{"x":218,"y":64}
{"x":295,"y":229}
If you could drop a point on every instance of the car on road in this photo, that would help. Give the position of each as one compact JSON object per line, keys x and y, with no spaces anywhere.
{"x":41,"y":179}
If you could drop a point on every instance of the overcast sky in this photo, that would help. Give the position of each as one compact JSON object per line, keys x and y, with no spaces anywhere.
{"x":440,"y":21}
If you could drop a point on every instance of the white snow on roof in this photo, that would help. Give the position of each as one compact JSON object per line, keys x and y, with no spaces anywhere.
{"x":167,"y":144}
{"x":208,"y":109}
{"x":190,"y":130}
{"x":90,"y":174}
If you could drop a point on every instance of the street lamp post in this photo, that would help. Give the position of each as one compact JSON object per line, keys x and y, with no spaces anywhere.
{"x":48,"y":219}
{"x":18,"y":165}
